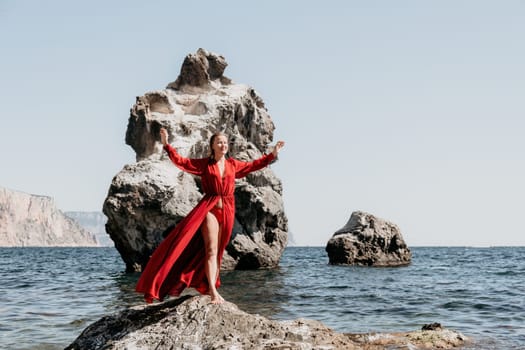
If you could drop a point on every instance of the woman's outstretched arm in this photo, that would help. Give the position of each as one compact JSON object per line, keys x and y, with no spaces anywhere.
{"x":244,"y":168}
{"x":190,"y":165}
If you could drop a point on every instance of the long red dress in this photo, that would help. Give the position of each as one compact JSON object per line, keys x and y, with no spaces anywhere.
{"x":178,"y":262}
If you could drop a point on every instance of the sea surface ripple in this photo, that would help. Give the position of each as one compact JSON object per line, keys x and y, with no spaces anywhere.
{"x":49,"y":295}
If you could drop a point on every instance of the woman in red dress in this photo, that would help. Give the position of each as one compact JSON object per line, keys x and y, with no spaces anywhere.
{"x":191,"y":254}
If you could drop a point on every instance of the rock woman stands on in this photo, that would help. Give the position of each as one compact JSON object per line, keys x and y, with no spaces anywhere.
{"x":191,"y":254}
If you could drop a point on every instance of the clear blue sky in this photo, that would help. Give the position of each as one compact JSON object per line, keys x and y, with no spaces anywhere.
{"x":411,"y":110}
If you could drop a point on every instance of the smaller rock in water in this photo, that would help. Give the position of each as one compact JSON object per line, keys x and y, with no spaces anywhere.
{"x":431,"y":327}
{"x":367,"y":240}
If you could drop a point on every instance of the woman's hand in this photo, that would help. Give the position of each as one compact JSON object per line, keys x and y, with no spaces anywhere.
{"x":164,"y":136}
{"x":278,"y":146}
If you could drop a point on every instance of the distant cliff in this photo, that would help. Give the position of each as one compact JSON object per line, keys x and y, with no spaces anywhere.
{"x":94,"y":222}
{"x":32,"y":220}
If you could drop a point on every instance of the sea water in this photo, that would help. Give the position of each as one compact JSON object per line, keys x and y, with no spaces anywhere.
{"x":49,"y":295}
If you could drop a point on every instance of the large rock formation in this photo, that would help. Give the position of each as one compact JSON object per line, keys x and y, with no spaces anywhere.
{"x":94,"y":222}
{"x":195,"y":323}
{"x":149,"y":197}
{"x":31,"y":220}
{"x":369,"y":241}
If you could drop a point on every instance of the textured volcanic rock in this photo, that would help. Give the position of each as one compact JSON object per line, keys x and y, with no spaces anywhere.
{"x":195,"y":323}
{"x":146,"y":199}
{"x":369,"y":241}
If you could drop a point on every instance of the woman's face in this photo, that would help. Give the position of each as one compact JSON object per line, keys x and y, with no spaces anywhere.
{"x":220,"y":146}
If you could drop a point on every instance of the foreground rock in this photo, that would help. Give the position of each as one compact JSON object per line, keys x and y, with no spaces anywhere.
{"x":194,"y":323}
{"x":368,"y":241}
{"x":148,"y":197}
{"x":29,"y":220}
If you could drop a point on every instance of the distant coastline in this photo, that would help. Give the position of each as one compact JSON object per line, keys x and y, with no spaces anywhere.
{"x":94,"y":222}
{"x":28,"y":220}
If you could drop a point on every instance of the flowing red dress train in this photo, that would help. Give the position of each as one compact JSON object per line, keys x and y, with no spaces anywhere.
{"x":178,"y":261}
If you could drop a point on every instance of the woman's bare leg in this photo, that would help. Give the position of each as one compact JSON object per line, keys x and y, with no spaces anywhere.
{"x":211,"y":235}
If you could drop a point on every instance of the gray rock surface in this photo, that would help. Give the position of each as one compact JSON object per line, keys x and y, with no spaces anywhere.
{"x":368,"y":241}
{"x":149,"y":197}
{"x":94,"y":222}
{"x":28,"y":220}
{"x":195,"y":323}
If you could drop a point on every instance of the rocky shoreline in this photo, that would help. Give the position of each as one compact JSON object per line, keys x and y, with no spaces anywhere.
{"x":192,"y":322}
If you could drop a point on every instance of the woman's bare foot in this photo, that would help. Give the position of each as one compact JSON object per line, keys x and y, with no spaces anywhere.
{"x":215,"y":297}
